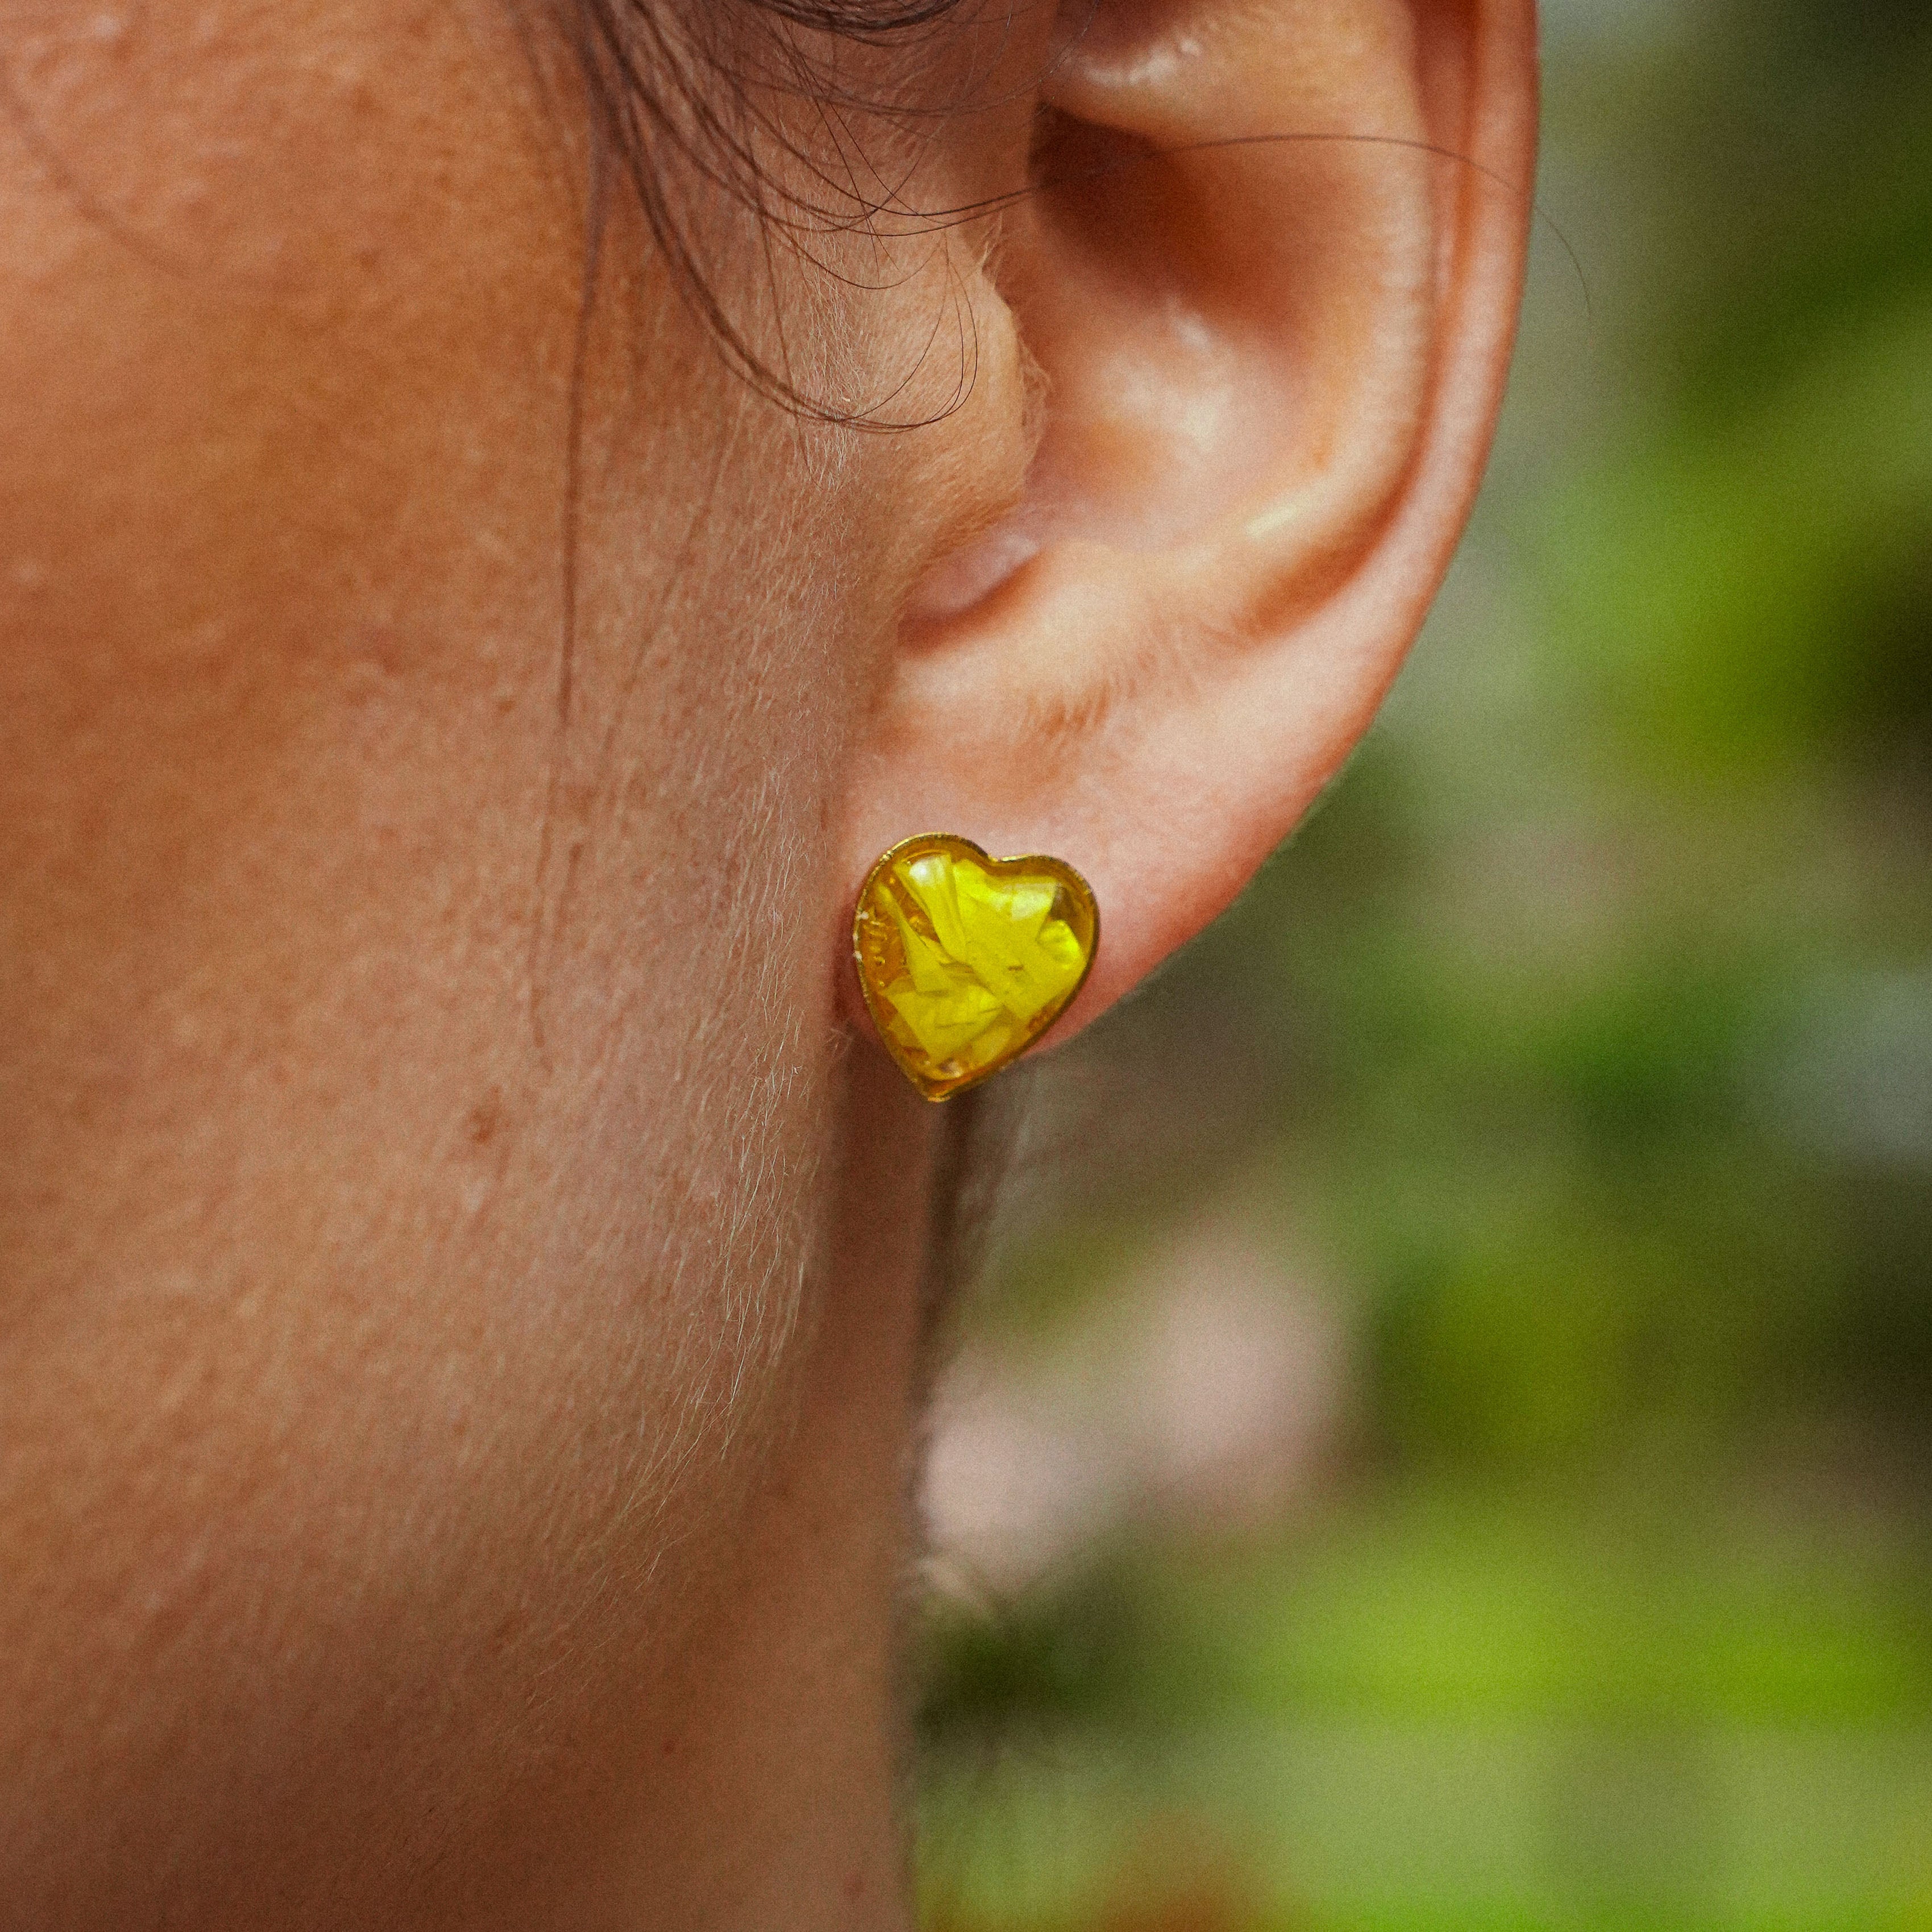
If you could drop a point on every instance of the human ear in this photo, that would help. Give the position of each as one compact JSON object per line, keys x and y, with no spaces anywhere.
{"x":1267,"y":273}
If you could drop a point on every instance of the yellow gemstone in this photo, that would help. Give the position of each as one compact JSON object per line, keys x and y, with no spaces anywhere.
{"x":965,"y":960}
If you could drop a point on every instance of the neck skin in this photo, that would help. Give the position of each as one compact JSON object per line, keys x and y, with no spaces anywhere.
{"x":772,"y":1799}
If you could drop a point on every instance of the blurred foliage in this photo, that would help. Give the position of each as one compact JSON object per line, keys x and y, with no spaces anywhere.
{"x":1581,"y":1046}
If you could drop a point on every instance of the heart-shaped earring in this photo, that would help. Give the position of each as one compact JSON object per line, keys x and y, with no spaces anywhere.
{"x":964,"y":960}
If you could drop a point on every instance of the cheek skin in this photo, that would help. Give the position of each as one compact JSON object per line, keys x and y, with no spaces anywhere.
{"x":414,"y":1088}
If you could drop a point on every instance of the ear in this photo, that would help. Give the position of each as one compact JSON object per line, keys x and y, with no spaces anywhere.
{"x":1267,"y":274}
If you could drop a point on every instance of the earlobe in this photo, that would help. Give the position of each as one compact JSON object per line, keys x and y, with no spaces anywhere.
{"x":1272,"y":324}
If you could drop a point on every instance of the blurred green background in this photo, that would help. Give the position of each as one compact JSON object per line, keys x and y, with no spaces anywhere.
{"x":1444,"y":1439}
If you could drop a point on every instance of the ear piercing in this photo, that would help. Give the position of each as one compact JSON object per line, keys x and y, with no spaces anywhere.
{"x":964,"y":960}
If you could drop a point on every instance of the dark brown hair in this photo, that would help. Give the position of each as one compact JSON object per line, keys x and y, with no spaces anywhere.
{"x":686,"y":101}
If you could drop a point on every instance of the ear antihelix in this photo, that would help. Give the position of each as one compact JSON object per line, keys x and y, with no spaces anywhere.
{"x":963,"y":960}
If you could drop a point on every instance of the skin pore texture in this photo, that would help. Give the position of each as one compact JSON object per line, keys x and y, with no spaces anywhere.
{"x":460,"y":1256}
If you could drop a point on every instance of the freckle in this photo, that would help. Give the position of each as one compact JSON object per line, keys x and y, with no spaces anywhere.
{"x":486,"y":1117}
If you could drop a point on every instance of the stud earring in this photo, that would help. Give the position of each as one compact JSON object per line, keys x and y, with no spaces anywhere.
{"x":964,"y":960}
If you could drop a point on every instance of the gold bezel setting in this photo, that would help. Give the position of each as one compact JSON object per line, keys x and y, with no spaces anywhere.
{"x":1074,"y":906}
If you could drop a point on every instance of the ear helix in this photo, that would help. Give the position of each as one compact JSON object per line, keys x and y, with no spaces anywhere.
{"x":964,"y":960}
